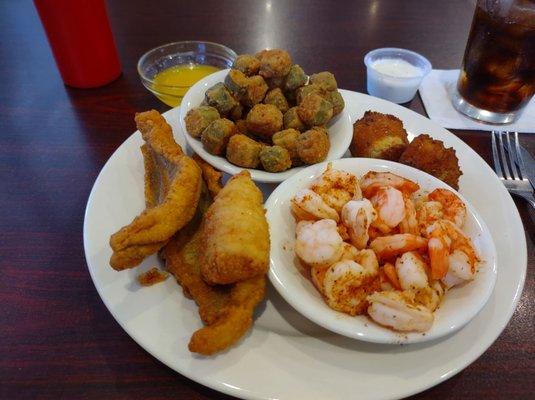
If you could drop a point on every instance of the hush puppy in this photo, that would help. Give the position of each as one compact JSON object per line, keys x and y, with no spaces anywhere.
{"x":198,"y":118}
{"x":313,"y":145}
{"x":274,"y":63}
{"x":243,"y":151}
{"x":430,"y":155}
{"x":247,"y":63}
{"x":378,"y":135}
{"x":264,"y":120}
{"x":314,"y":110}
{"x":216,"y":136}
{"x":276,"y":98}
{"x":288,"y":139}
{"x":275,"y":158}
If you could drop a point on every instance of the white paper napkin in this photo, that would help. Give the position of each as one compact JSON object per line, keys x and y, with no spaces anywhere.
{"x":436,"y":90}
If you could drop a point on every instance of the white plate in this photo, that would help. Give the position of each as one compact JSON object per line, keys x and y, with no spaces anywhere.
{"x":459,"y":306}
{"x":285,"y":356}
{"x":340,"y":134}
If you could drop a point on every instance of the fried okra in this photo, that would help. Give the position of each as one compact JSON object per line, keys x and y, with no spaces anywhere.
{"x":288,"y":139}
{"x":304,"y":91}
{"x":219,"y":96}
{"x":315,"y":110}
{"x":295,"y":78}
{"x":216,"y":135}
{"x":241,"y":125}
{"x":255,"y":91}
{"x":264,"y":120}
{"x":236,"y":113}
{"x":274,"y":63}
{"x":430,"y":155}
{"x":275,"y":158}
{"x":276,"y":98}
{"x":313,"y":145}
{"x":243,"y":151}
{"x":236,"y":82}
{"x":324,"y":80}
{"x":291,"y":120}
{"x":247,"y":63}
{"x":198,"y":118}
{"x":335,"y":98}
{"x":378,"y":135}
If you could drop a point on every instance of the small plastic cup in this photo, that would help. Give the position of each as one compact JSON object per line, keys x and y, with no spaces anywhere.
{"x":394,"y":85}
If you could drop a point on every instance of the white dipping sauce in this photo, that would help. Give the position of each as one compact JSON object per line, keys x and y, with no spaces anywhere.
{"x":394,"y":79}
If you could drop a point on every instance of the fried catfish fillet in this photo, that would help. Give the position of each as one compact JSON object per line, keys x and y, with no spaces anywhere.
{"x":172,"y":190}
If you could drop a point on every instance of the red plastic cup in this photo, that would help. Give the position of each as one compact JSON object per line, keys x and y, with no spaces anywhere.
{"x":80,"y":36}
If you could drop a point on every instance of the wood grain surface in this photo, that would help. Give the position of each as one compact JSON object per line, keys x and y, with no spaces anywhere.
{"x":57,"y":340}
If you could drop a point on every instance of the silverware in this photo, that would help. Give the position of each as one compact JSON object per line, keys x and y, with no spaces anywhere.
{"x":509,"y":166}
{"x":530,"y":165}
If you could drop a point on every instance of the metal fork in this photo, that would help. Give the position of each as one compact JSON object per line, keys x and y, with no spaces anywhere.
{"x":509,"y":165}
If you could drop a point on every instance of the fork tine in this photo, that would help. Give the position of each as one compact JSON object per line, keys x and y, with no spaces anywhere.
{"x":495,"y":157}
{"x":512,"y":158}
{"x":519,"y":158}
{"x":501,"y":150}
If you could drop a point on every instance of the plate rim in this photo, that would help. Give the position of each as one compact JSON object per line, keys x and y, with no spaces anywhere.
{"x":416,"y":388}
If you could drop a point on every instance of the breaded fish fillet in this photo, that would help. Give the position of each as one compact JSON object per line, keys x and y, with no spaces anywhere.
{"x":172,"y":190}
{"x":235,"y":234}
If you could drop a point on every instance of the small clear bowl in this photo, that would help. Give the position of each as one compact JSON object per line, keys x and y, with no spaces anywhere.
{"x":180,"y":53}
{"x":397,"y":89}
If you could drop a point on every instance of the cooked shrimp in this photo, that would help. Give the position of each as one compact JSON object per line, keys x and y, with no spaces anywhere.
{"x":308,"y":205}
{"x":460,"y":269}
{"x":453,"y":207}
{"x":390,"y":207}
{"x":411,"y":271}
{"x":373,"y":180}
{"x":391,"y":275}
{"x":409,"y":224}
{"x":346,"y":285}
{"x":393,"y":245}
{"x":428,"y":212}
{"x":357,"y":215}
{"x":368,"y":260}
{"x":399,"y":312}
{"x":429,"y":296}
{"x":337,"y":187}
{"x":349,"y":252}
{"x":318,"y":243}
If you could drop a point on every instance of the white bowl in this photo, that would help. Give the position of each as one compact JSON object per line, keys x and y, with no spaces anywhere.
{"x":340,"y":134}
{"x":459,"y":305}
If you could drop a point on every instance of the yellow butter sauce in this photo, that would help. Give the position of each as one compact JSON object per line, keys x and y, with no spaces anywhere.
{"x":172,"y":83}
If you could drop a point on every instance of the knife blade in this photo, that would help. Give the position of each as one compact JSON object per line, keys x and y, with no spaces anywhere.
{"x":529,"y":163}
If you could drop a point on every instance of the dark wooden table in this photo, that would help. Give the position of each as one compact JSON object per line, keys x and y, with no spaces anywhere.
{"x":57,"y":340}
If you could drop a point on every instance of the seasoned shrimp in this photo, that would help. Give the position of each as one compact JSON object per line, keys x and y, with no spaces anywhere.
{"x":428,"y":212}
{"x":346,"y":284}
{"x":357,"y":215}
{"x":460,"y":269}
{"x":337,"y":187}
{"x":373,"y":180}
{"x":399,"y":312}
{"x":411,"y":271}
{"x":308,"y":205}
{"x":390,"y":206}
{"x":409,"y":224}
{"x":453,"y":208}
{"x":393,"y":245}
{"x":318,"y":243}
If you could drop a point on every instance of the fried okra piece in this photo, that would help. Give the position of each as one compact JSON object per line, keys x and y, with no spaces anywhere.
{"x":236,"y":113}
{"x":247,"y":63}
{"x":378,"y":135}
{"x":243,"y":151}
{"x":275,"y":158}
{"x":219,"y":96}
{"x":314,"y":110}
{"x":216,"y":136}
{"x":236,"y":82}
{"x":288,"y":139}
{"x":255,"y":91}
{"x":275,"y":82}
{"x":430,"y":155}
{"x":198,"y":118}
{"x":241,"y":125}
{"x":264,"y":120}
{"x":335,"y":98}
{"x":274,"y":63}
{"x":276,"y":98}
{"x":313,"y":145}
{"x":295,"y":78}
{"x":304,"y":91}
{"x":324,"y":80}
{"x":291,"y":120}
